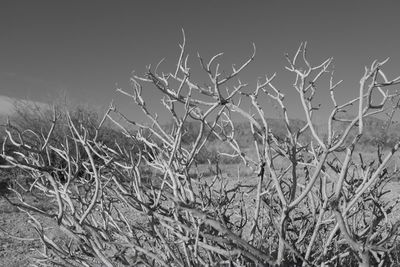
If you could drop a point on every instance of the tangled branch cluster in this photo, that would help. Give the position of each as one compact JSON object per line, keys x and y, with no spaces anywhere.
{"x":308,"y":203}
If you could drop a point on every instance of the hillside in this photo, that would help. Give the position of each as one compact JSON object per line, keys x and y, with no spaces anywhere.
{"x":376,"y":131}
{"x":6,"y":105}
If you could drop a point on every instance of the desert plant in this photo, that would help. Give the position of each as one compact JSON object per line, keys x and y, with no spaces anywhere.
{"x":311,"y":202}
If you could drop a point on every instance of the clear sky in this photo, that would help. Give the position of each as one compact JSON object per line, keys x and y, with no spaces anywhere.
{"x":85,"y":48}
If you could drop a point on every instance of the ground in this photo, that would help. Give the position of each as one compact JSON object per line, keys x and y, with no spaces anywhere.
{"x":14,"y":252}
{"x":18,"y":249}
{"x":18,"y":239}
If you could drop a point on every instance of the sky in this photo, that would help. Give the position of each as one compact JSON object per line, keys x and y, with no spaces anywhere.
{"x":86,"y":49}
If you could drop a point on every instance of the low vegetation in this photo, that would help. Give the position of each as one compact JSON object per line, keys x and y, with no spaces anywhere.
{"x":152,"y":194}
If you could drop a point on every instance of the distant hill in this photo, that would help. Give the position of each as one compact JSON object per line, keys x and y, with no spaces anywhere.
{"x":9,"y":105}
{"x":376,"y":131}
{"x":6,"y":105}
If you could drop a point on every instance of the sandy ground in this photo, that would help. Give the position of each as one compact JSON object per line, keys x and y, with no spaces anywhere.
{"x":14,"y":252}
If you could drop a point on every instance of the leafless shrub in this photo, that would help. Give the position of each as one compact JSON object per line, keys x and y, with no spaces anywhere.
{"x":310,"y":202}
